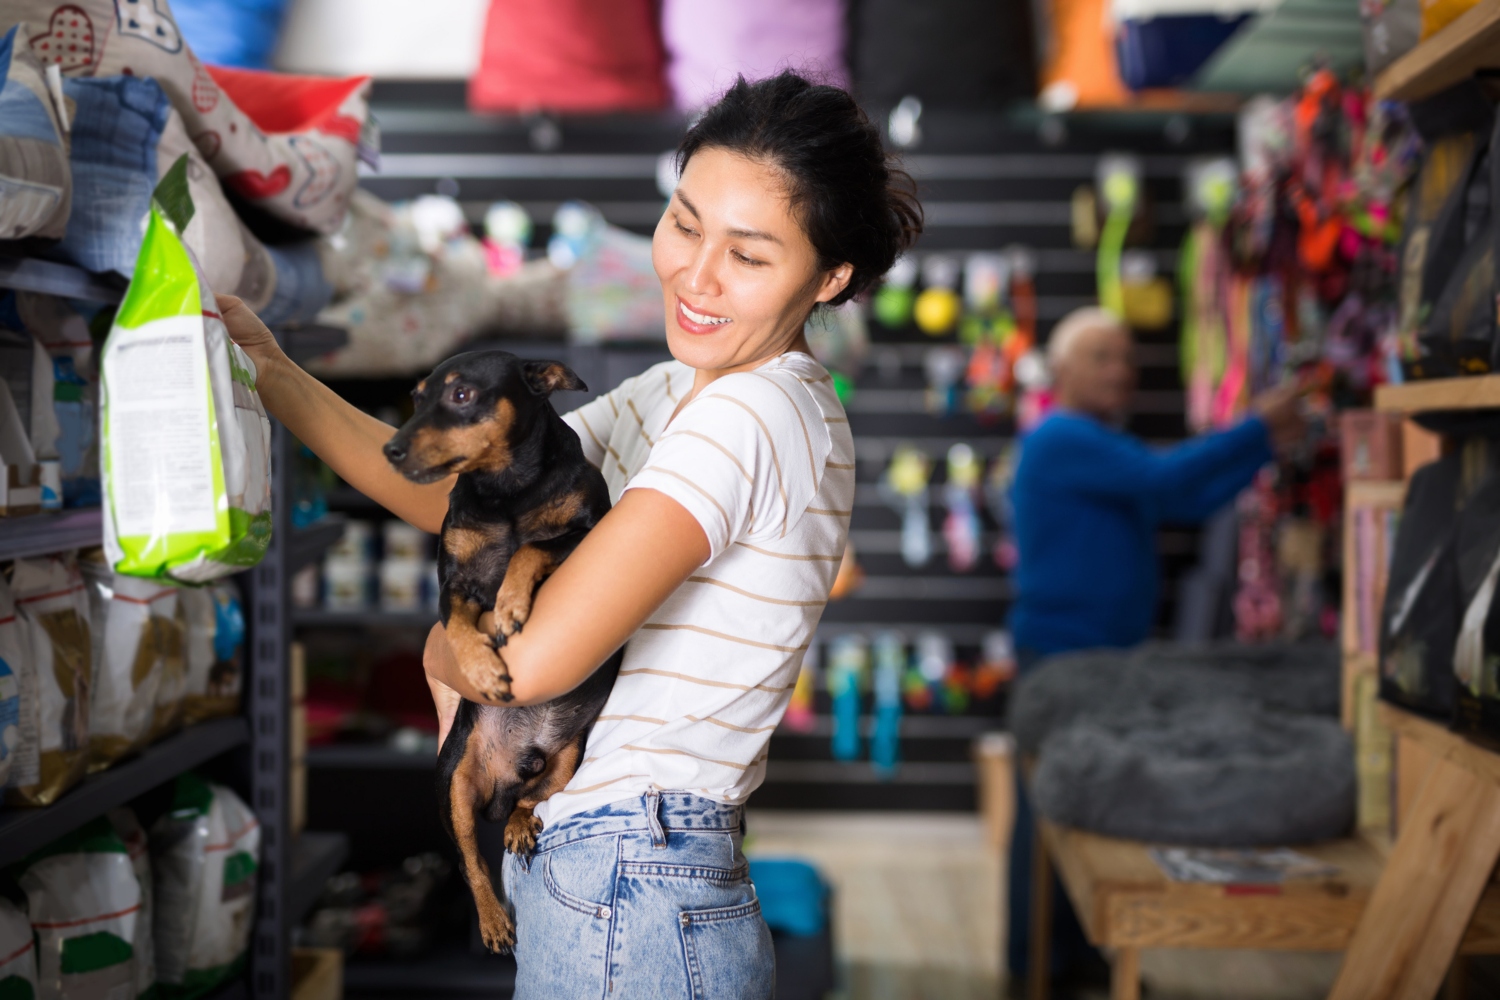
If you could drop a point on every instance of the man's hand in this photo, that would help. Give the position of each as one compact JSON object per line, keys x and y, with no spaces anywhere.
{"x":1280,"y":408}
{"x":437,"y":660}
{"x":246,"y":330}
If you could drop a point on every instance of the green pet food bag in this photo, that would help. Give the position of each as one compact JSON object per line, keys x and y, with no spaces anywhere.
{"x":85,"y":904}
{"x":186,"y":443}
{"x":205,"y":854}
{"x":17,"y":954}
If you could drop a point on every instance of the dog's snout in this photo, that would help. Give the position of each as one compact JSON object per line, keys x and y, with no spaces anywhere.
{"x":395,"y":451}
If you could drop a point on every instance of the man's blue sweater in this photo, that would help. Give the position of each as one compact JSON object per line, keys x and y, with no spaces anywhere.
{"x":1088,"y":500}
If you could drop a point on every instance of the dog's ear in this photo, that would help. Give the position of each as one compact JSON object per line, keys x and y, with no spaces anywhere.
{"x":547,"y":377}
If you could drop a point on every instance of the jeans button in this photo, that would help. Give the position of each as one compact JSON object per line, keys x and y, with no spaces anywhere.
{"x":604,"y":911}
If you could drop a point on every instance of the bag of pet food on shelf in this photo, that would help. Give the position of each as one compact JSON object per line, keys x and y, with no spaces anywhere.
{"x":15,"y":658}
{"x":54,"y":610}
{"x":205,"y":853}
{"x":287,"y":145}
{"x":133,"y":836}
{"x":135,"y":631}
{"x":17,"y":953}
{"x":186,"y":442}
{"x":215,"y":651}
{"x":33,"y":145}
{"x":84,"y":903}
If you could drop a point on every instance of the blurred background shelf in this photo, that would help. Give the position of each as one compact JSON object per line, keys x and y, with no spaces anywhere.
{"x":316,"y":857}
{"x":24,"y":830}
{"x":39,"y":534}
{"x":29,"y":274}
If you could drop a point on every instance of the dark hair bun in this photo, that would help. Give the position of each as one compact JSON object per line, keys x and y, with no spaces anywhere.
{"x":855,"y":203}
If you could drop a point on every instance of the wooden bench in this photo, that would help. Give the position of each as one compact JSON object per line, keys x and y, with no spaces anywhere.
{"x":1126,"y":903}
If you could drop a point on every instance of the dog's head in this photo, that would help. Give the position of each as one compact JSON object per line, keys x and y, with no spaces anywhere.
{"x":471,"y":412}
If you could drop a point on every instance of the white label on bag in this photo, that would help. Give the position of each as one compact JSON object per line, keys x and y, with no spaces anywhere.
{"x":161,"y":466}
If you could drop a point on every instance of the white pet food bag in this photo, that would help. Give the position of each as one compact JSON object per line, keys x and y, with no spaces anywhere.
{"x":54,"y":610}
{"x":15,"y":659}
{"x":133,"y":836}
{"x":215,"y":650}
{"x":186,"y":442}
{"x":84,"y":902}
{"x":128,"y":615}
{"x":17,"y":954}
{"x":205,"y":854}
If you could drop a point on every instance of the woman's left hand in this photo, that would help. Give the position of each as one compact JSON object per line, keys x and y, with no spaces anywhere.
{"x":437,"y":660}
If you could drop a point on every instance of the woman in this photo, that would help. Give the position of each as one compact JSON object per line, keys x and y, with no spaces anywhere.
{"x":732,"y":474}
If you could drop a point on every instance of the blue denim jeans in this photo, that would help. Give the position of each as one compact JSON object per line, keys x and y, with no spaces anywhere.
{"x":637,"y":900}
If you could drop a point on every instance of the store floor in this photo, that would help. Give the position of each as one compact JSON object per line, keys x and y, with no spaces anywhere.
{"x":918,"y":915}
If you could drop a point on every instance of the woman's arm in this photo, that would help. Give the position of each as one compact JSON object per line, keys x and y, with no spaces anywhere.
{"x":340,"y":434}
{"x":632,"y":561}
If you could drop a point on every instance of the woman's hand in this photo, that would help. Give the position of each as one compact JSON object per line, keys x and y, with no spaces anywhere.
{"x":253,"y":337}
{"x":348,"y":440}
{"x":622,"y":571}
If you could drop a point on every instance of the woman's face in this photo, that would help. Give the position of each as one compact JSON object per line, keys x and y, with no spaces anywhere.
{"x":738,"y":274}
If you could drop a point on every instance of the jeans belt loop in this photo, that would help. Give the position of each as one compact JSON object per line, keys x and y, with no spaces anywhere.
{"x":653,"y":818}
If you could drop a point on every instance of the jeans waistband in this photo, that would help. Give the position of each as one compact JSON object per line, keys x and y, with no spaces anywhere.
{"x":654,"y":812}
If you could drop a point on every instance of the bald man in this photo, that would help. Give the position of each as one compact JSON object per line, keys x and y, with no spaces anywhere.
{"x":1088,"y":499}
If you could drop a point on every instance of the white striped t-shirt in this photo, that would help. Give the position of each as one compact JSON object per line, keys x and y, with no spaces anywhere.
{"x":764,"y":461}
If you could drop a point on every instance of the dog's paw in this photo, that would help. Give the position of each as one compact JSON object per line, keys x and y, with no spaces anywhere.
{"x":498,"y":932}
{"x":512,"y":608}
{"x":521,"y":833}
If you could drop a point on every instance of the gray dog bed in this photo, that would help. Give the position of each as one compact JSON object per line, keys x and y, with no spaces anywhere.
{"x":1298,"y":678}
{"x":1217,"y":775}
{"x":1222,"y":745}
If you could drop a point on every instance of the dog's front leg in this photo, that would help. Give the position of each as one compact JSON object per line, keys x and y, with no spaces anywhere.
{"x":475,"y":652}
{"x":530,"y":565}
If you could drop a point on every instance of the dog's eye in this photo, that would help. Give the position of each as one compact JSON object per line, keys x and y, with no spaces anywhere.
{"x":462,"y":395}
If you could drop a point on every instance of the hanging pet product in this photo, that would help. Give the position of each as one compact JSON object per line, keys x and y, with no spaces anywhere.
{"x":944,"y":368}
{"x":904,"y":487}
{"x":932,"y":655}
{"x":507,"y":234}
{"x":997,"y":482}
{"x":800,"y":717}
{"x":984,"y":330}
{"x":1119,"y":183}
{"x":996,"y":668}
{"x":938,"y":308}
{"x":961,"y":528}
{"x":193,"y":504}
{"x":890,"y":663}
{"x":896,"y":297}
{"x":1203,"y":271}
{"x":848,"y":670}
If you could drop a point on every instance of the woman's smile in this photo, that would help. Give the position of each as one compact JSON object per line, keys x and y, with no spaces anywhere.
{"x":693,"y":321}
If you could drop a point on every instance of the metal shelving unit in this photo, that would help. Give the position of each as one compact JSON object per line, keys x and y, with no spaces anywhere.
{"x":291,"y":871}
{"x":25,"y":830}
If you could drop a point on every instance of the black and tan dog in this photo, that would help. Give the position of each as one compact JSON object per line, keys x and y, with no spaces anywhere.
{"x":524,"y":498}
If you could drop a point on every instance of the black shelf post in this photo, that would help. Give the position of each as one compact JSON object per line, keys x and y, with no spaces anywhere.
{"x":271,"y":945}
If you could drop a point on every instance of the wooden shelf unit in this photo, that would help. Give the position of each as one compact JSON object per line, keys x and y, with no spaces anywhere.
{"x":1435,"y":897}
{"x":1470,"y":43}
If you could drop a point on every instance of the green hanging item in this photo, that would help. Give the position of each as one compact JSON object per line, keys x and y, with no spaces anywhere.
{"x":1119,"y":181}
{"x":185,"y":442}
